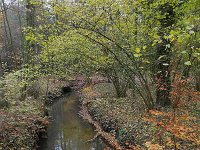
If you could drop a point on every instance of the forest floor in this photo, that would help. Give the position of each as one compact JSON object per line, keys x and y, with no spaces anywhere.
{"x":23,"y":122}
{"x":130,"y":123}
{"x":21,"y":125}
{"x":123,"y":122}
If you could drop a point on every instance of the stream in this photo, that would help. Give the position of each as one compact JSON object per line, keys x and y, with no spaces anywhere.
{"x":68,"y":131}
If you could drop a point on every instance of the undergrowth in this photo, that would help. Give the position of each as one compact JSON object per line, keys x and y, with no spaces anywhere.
{"x":23,"y":110}
{"x":175,"y":127}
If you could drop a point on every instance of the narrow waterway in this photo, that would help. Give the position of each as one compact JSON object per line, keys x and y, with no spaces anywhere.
{"x":67,"y":130}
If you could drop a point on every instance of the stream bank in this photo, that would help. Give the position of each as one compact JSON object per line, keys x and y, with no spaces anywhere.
{"x":23,"y":121}
{"x":67,"y":131}
{"x":114,"y":118}
{"x":126,"y":124}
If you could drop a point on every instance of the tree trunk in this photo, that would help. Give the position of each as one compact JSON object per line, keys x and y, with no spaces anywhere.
{"x":163,"y":56}
{"x":30,"y":20}
{"x":9,"y":44}
{"x":30,"y":14}
{"x":163,"y":76}
{"x":22,"y":46}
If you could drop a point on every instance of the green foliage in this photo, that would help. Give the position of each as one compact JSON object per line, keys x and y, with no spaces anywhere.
{"x":85,"y":37}
{"x":119,"y":39}
{"x":13,"y":84}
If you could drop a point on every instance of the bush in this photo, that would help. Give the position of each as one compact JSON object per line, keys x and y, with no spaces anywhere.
{"x":12,"y":86}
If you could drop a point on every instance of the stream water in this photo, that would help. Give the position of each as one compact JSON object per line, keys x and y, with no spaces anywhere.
{"x":67,"y":130}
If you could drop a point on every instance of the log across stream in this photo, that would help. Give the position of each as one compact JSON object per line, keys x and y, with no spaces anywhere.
{"x":67,"y":130}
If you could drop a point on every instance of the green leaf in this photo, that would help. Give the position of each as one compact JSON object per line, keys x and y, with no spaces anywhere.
{"x":144,"y":47}
{"x":168,"y":46}
{"x":183,"y":52}
{"x":165,"y":64}
{"x":188,"y":63}
{"x":137,"y":50}
{"x":137,"y":55}
{"x":180,"y":40}
{"x":191,"y":32}
{"x":161,"y":57}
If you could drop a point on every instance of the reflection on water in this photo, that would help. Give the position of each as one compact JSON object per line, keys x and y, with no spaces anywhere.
{"x":67,"y":130}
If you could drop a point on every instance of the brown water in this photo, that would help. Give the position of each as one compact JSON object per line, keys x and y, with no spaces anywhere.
{"x":67,"y":130}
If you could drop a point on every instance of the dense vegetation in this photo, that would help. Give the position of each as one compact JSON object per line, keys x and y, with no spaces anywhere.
{"x":147,"y":50}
